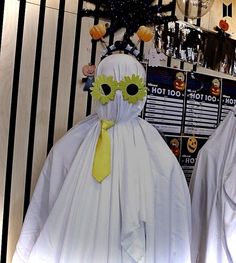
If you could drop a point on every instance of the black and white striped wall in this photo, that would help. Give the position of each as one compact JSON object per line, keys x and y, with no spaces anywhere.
{"x":43,"y":47}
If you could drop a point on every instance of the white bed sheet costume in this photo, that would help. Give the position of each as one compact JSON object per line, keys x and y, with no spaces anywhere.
{"x":139,"y":213}
{"x":213,"y":191}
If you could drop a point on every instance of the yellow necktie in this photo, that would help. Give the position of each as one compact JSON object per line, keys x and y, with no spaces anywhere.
{"x":102,"y":157}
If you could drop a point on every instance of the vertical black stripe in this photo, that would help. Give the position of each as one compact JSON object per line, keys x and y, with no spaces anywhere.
{"x":229,"y":10}
{"x":198,"y":21}
{"x":225,"y":10}
{"x":186,"y":9}
{"x":199,"y":14}
{"x":57,"y":59}
{"x":34,"y":102}
{"x":12,"y":127}
{"x":93,"y":58}
{"x":199,"y":11}
{"x":75,"y":65}
{"x":2,"y":4}
{"x":174,"y":7}
{"x":111,"y":37}
{"x":172,"y":13}
{"x":141,"y":49}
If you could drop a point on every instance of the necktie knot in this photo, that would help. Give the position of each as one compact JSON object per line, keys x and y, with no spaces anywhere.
{"x":107,"y":124}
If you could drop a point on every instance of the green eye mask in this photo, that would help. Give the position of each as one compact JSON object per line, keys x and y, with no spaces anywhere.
{"x":105,"y":87}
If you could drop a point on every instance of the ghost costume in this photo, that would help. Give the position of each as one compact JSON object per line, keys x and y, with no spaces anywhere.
{"x":139,"y":213}
{"x":213,"y":191}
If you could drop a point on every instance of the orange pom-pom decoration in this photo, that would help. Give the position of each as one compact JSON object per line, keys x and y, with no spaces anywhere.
{"x":144,"y":33}
{"x":97,"y":31}
{"x":224,"y":25}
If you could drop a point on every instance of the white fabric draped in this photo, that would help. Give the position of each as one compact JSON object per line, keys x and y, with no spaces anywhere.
{"x":213,"y":191}
{"x":140,"y":213}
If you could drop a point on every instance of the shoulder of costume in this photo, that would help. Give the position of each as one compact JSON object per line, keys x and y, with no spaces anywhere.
{"x":73,"y":137}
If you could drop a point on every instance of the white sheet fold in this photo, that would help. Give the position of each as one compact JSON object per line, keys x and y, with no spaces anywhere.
{"x":213,"y":191}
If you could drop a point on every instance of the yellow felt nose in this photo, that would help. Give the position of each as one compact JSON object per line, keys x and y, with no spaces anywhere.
{"x":102,"y":157}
